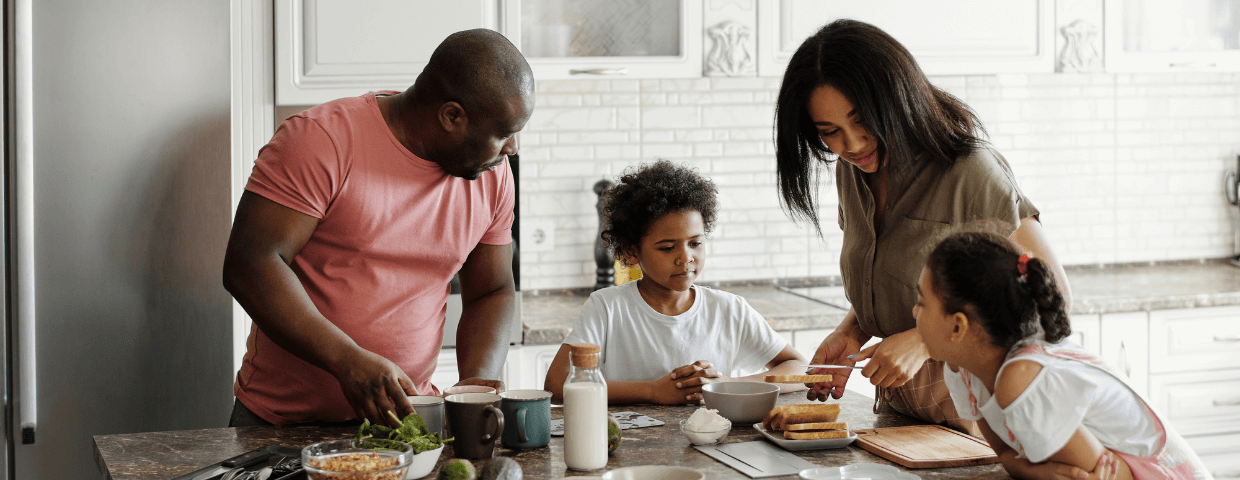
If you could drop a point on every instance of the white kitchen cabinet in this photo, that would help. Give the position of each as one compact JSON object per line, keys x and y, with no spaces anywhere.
{"x":1166,"y":36}
{"x":535,"y":361}
{"x":1195,"y":380}
{"x":946,"y":36}
{"x":328,"y":49}
{"x":1087,"y":332}
{"x":1125,"y":340}
{"x":447,"y":374}
{"x":586,"y":39}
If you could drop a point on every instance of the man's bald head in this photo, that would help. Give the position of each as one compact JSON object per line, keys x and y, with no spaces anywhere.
{"x":480,"y":69}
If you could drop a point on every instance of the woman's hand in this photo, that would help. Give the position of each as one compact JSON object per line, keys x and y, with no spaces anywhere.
{"x":834,"y":350}
{"x":895,"y":360}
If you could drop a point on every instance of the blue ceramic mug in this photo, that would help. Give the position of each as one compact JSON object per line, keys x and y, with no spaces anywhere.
{"x":528,"y":414}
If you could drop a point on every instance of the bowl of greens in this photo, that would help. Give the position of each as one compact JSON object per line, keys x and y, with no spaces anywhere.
{"x":412,"y":431}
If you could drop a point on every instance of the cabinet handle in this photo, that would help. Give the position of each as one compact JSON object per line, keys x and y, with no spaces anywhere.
{"x":600,"y":71}
{"x":1192,"y":64}
{"x":1123,"y":360}
{"x":1227,"y":403}
{"x":1227,"y":338}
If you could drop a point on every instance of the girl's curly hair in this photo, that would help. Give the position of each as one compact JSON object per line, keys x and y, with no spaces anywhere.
{"x":647,"y":193}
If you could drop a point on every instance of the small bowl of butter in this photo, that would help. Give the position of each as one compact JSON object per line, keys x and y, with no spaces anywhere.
{"x":705,"y":427}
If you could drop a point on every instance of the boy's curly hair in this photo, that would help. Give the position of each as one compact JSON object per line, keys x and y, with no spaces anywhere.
{"x":647,"y":193}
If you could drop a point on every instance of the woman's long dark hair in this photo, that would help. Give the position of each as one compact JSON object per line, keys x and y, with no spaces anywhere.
{"x":976,"y":273}
{"x":912,"y":120}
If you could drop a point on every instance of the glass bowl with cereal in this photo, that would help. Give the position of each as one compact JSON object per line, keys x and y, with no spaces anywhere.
{"x":351,"y":459}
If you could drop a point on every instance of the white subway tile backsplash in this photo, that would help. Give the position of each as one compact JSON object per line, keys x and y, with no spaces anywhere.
{"x":1124,"y":167}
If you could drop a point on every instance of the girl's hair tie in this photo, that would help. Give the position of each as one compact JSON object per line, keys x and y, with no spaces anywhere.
{"x":1022,"y":264}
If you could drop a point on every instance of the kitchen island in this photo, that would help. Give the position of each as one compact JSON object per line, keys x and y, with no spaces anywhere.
{"x":163,"y":455}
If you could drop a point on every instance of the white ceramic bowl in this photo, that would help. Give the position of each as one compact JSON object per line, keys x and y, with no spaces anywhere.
{"x":872,"y":471}
{"x":705,"y":437}
{"x":654,"y":472}
{"x":744,"y":403}
{"x":423,"y":463}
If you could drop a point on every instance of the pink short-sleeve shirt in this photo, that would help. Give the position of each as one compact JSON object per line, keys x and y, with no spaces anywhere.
{"x":393,"y":230}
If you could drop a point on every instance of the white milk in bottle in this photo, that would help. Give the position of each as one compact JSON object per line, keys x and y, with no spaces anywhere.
{"x":585,"y":410}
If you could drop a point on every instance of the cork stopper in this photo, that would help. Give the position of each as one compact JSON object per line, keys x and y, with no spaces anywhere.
{"x":584,"y":355}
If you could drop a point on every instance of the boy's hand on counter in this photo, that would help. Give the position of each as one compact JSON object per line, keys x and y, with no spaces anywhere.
{"x":665,"y":391}
{"x":696,"y":369}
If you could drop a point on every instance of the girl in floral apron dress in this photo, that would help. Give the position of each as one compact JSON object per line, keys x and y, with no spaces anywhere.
{"x":1048,"y":408}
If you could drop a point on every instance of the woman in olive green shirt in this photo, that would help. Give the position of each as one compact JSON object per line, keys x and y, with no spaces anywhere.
{"x":913,"y":170}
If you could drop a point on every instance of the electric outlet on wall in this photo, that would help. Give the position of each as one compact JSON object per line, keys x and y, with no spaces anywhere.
{"x":537,"y":235}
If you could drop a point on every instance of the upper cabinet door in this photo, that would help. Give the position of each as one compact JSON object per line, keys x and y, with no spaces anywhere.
{"x":585,"y":39}
{"x":1172,"y":35}
{"x":945,"y":36}
{"x":328,"y":49}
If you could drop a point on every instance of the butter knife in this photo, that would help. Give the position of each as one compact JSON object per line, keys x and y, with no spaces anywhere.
{"x":856,"y":367}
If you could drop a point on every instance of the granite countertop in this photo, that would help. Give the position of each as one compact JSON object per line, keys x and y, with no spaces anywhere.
{"x":549,"y":316}
{"x":162,"y":455}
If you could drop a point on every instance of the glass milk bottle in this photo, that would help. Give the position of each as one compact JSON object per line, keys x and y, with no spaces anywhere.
{"x":585,"y":410}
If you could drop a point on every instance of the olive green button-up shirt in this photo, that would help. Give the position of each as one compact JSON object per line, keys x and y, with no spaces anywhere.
{"x":924,"y":204}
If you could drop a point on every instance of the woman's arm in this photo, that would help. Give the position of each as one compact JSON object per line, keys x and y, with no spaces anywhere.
{"x":1030,"y":237}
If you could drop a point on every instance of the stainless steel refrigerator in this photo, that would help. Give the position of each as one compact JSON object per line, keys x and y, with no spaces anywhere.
{"x":117,"y":215}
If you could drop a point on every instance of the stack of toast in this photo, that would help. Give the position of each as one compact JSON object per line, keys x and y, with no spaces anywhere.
{"x":809,"y":421}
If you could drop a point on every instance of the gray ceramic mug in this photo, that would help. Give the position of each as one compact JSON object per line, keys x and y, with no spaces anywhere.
{"x":430,"y":408}
{"x":527,"y":418}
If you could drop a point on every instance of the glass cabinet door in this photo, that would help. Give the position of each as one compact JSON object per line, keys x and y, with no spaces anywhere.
{"x":1171,"y":35}
{"x":565,"y":39}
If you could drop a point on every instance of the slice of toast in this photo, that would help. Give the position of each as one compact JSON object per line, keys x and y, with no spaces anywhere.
{"x":815,"y":434}
{"x":797,"y":378}
{"x":811,"y":417}
{"x":775,"y":415}
{"x":796,"y":427}
{"x":778,"y":417}
{"x":812,"y":408}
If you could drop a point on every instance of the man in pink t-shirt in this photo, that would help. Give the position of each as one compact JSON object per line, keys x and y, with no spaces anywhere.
{"x":356,"y":217}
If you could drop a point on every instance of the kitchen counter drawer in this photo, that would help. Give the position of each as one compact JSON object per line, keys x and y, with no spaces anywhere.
{"x":1220,"y":454}
{"x":1204,"y":403}
{"x":1194,"y":339}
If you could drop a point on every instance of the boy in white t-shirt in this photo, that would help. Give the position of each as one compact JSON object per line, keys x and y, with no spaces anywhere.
{"x":662,"y":337}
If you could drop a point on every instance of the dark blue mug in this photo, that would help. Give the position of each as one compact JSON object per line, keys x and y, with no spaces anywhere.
{"x":528,"y":415}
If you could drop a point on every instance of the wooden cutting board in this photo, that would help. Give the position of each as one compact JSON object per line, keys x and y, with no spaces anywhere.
{"x":926,"y":446}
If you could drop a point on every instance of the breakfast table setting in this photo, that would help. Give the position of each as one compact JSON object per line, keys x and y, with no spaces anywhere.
{"x":653,"y":443}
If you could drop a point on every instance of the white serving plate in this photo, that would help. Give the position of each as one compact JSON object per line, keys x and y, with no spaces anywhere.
{"x":800,"y":445}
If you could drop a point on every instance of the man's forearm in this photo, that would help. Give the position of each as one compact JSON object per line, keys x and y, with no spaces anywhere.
{"x":482,"y":336}
{"x":275,"y":300}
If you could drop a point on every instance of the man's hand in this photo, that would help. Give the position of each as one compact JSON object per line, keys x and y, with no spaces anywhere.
{"x":894,"y":360}
{"x":496,"y":384}
{"x":373,"y":385}
{"x":834,"y":350}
